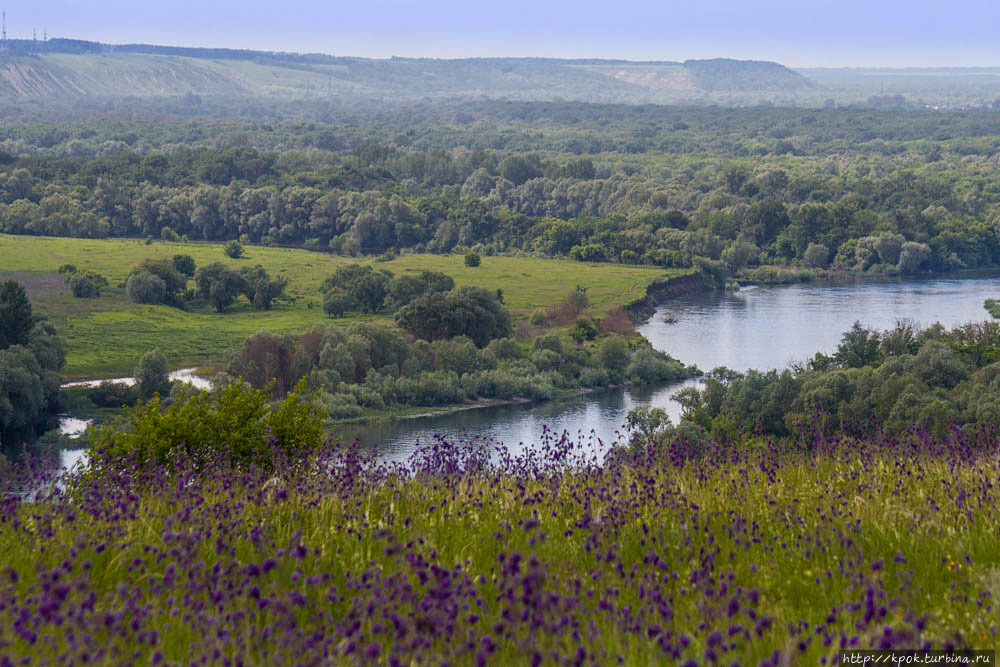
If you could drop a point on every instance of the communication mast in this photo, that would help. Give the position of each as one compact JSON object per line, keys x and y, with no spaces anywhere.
{"x":3,"y":36}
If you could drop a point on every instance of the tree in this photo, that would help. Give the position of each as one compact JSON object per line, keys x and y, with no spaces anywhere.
{"x":336,"y":302}
{"x":260,"y":288}
{"x":519,"y":169}
{"x":269,"y":360}
{"x":816,"y":256}
{"x":466,"y":311}
{"x":912,"y":256}
{"x":233,"y":249}
{"x":16,"y":319}
{"x":144,"y":287}
{"x":219,"y":285}
{"x":174,"y":281}
{"x":83,"y":286}
{"x":152,"y":375}
{"x":472,"y":259}
{"x":368,"y":286}
{"x":858,"y":347}
{"x":184,"y":264}
{"x":614,"y":356}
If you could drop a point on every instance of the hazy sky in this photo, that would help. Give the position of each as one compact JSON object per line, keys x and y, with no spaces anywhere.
{"x":793,"y":32}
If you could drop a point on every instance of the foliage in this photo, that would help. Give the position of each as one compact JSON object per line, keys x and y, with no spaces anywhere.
{"x":219,"y":285}
{"x":233,"y":249}
{"x":899,"y":379}
{"x":374,"y":366}
{"x":234,"y":419}
{"x":367,"y":286}
{"x":145,"y":287}
{"x":184,"y":264}
{"x":114,"y":395}
{"x":152,"y":376}
{"x":472,"y":259}
{"x":466,"y":311}
{"x":16,"y":317}
{"x":31,"y":356}
{"x":519,"y":530}
{"x":261,"y":289}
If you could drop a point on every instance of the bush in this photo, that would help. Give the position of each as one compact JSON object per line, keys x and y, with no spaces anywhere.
{"x":472,"y":259}
{"x":184,"y":264}
{"x":584,"y":330}
{"x":152,"y":376}
{"x":219,"y":285}
{"x":233,"y":249}
{"x":538,"y":317}
{"x":614,"y":357}
{"x":816,"y":256}
{"x":144,"y":287}
{"x":113,"y":395}
{"x":234,"y":418}
{"x":83,"y":287}
{"x":336,"y":302}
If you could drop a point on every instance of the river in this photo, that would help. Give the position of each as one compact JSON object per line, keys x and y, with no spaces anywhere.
{"x":757,"y":327}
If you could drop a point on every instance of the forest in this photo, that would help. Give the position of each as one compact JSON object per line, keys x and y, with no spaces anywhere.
{"x":844,"y":190}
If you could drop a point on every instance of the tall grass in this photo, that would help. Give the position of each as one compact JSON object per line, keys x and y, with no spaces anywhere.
{"x":781,"y":553}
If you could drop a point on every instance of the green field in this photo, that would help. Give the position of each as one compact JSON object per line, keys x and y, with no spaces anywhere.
{"x":106,"y":336}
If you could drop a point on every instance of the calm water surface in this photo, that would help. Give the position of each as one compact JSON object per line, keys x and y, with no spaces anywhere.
{"x":757,"y":327}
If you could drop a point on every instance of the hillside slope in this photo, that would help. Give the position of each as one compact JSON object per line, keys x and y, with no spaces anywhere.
{"x":67,"y":68}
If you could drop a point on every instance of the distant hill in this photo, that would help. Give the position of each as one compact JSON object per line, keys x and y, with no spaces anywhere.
{"x":65,"y":68}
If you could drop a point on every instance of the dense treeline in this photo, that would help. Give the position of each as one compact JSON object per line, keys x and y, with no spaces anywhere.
{"x":366,"y":366}
{"x":894,"y":380}
{"x":31,"y":355}
{"x":906,"y":205}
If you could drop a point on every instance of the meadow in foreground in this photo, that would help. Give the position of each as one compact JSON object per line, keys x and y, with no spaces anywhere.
{"x":764,"y":554}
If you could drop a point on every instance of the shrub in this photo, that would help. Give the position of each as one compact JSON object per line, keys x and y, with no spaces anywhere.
{"x":614,"y":357}
{"x":233,"y":418}
{"x":336,"y":302}
{"x":233,"y":249}
{"x":152,"y":376}
{"x":113,"y":395}
{"x":184,"y":264}
{"x":472,"y":259}
{"x":816,"y":256}
{"x":83,"y":287}
{"x":144,"y":287}
{"x":584,"y":330}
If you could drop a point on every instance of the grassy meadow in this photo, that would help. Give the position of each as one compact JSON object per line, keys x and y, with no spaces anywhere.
{"x":106,"y":336}
{"x":760,"y":553}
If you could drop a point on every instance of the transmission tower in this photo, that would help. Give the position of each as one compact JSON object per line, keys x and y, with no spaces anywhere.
{"x":3,"y":36}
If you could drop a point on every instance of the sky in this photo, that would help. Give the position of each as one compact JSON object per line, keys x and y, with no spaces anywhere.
{"x":799,"y":33}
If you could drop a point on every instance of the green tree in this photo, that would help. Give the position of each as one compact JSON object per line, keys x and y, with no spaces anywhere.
{"x":219,"y":285}
{"x":83,"y":286}
{"x":466,"y":311}
{"x":261,"y":289}
{"x":614,"y":356}
{"x":336,"y":302}
{"x":233,"y":249}
{"x":144,"y":287}
{"x":16,"y":318}
{"x":184,"y":264}
{"x":368,"y":286}
{"x":472,"y":259}
{"x":152,"y":375}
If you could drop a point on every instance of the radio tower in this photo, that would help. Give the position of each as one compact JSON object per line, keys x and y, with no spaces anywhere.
{"x":3,"y":36}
